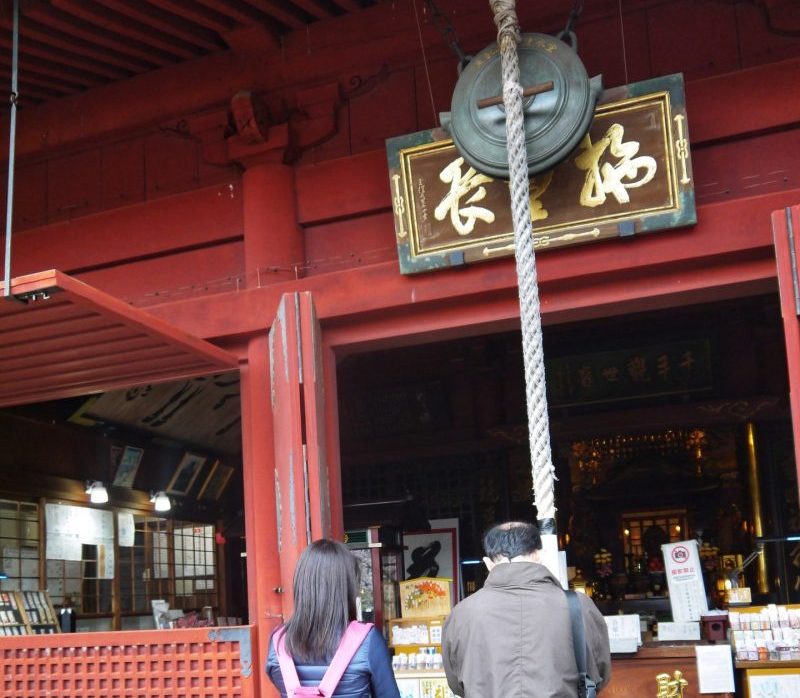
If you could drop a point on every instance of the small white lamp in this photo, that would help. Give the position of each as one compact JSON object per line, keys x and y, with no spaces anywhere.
{"x":161,"y":501}
{"x":98,"y":494}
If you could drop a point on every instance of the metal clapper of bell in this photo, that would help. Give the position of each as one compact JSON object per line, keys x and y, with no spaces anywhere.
{"x":558,"y":106}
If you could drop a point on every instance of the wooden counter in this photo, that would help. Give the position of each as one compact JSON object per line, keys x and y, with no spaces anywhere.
{"x":634,"y":675}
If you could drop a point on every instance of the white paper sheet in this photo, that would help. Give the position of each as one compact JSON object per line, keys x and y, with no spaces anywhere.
{"x":678,"y":631}
{"x":624,"y":627}
{"x":125,"y":529}
{"x":715,"y":668}
{"x":62,"y":546}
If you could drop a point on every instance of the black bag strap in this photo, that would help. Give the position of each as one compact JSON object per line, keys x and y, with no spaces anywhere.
{"x":578,"y":641}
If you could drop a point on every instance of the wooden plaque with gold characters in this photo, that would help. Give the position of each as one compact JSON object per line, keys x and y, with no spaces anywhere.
{"x":632,"y":173}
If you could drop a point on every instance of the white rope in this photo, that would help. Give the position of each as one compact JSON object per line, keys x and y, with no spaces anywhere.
{"x":508,"y":36}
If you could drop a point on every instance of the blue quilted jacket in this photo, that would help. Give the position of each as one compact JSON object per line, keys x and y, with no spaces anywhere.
{"x":369,"y":674}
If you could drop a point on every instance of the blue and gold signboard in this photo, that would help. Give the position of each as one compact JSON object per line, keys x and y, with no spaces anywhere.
{"x":632,"y":173}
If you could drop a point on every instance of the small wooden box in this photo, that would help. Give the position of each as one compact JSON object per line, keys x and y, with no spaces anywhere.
{"x":424,"y":597}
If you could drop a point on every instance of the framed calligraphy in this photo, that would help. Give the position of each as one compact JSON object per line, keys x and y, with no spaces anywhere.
{"x":185,"y":474}
{"x":672,"y":368}
{"x":632,"y":173}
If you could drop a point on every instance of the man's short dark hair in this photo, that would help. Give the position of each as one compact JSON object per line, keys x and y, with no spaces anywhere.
{"x":512,"y":539}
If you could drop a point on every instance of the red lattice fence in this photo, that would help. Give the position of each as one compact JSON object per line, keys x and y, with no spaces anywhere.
{"x":191,"y":663}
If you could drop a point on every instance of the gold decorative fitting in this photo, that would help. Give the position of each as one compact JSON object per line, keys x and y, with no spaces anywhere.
{"x":671,"y":687}
{"x":594,"y":456}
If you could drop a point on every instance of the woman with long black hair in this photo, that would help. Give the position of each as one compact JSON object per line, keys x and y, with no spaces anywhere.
{"x":326,"y":583}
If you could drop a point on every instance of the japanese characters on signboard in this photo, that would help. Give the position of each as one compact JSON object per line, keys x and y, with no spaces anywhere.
{"x":687,"y":592}
{"x":670,"y":368}
{"x":630,"y":174}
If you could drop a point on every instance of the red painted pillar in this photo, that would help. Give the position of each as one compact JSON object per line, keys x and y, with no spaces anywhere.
{"x":263,"y":562}
{"x":273,"y":241}
{"x":273,"y":246}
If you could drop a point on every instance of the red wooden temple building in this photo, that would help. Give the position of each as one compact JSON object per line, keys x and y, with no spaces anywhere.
{"x":206,"y":290}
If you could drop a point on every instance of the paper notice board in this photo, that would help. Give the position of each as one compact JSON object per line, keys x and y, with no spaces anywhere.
{"x":687,"y":592}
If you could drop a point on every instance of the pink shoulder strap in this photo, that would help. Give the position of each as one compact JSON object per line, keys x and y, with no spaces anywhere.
{"x":351,"y":640}
{"x":288,"y":671}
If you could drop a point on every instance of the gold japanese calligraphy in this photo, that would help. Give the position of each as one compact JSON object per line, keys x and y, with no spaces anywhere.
{"x":671,"y":686}
{"x":463,"y":219}
{"x":616,"y":178}
{"x":630,"y":173}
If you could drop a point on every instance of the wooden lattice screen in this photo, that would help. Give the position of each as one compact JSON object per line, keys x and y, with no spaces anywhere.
{"x":190,"y":663}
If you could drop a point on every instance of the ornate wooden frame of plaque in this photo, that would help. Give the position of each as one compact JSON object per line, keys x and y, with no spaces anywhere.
{"x":632,"y":173}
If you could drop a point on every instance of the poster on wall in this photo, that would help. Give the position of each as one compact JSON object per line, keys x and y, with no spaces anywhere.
{"x":432,"y":554}
{"x":687,"y":592}
{"x":127,"y":461}
{"x":70,"y":527}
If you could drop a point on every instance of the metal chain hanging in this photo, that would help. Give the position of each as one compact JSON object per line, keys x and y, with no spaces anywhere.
{"x":508,"y":36}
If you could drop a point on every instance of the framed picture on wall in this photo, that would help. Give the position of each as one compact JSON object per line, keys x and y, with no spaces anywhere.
{"x":432,"y":554}
{"x":127,"y":461}
{"x":216,"y":482}
{"x":185,"y":474}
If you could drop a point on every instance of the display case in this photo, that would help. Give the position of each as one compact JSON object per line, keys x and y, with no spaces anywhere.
{"x":380,"y":551}
{"x":27,"y":613}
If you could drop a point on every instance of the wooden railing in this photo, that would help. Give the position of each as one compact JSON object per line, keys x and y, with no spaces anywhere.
{"x":187,"y":663}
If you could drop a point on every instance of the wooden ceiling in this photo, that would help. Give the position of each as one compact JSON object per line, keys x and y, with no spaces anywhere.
{"x":68,"y":46}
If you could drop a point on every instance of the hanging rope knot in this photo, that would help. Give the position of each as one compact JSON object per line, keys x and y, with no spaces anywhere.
{"x":505,"y":17}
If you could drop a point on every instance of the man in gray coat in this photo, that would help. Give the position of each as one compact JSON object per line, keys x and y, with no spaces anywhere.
{"x":513,"y":638}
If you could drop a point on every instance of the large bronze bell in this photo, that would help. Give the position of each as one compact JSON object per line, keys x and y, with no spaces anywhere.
{"x":558,"y":105}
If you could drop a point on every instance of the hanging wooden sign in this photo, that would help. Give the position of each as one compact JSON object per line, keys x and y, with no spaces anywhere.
{"x":632,"y":173}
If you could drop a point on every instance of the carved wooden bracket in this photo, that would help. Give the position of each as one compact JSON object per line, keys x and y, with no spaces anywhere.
{"x":313,"y":120}
{"x":249,"y":132}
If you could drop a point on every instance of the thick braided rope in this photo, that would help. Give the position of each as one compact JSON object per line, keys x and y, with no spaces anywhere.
{"x":508,"y":36}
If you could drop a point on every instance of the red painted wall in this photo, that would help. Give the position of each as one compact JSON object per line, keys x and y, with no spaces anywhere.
{"x":121,"y":212}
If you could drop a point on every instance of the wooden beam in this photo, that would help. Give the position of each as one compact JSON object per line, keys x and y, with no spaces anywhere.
{"x":51,"y":54}
{"x":36,"y":77}
{"x":744,"y":101}
{"x":88,"y":49}
{"x":313,"y":8}
{"x":171,"y":24}
{"x":731,"y":245}
{"x":47,"y":36}
{"x":167,"y":225}
{"x":60,"y":72}
{"x":348,"y":5}
{"x":78,"y":29}
{"x":128,"y":27}
{"x":281,"y":11}
{"x":199,"y":14}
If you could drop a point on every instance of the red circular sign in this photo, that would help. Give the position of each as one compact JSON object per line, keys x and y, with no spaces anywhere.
{"x":680,"y":554}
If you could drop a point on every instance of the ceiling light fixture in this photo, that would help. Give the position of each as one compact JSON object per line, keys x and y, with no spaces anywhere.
{"x":98,"y":494}
{"x":161,"y":501}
